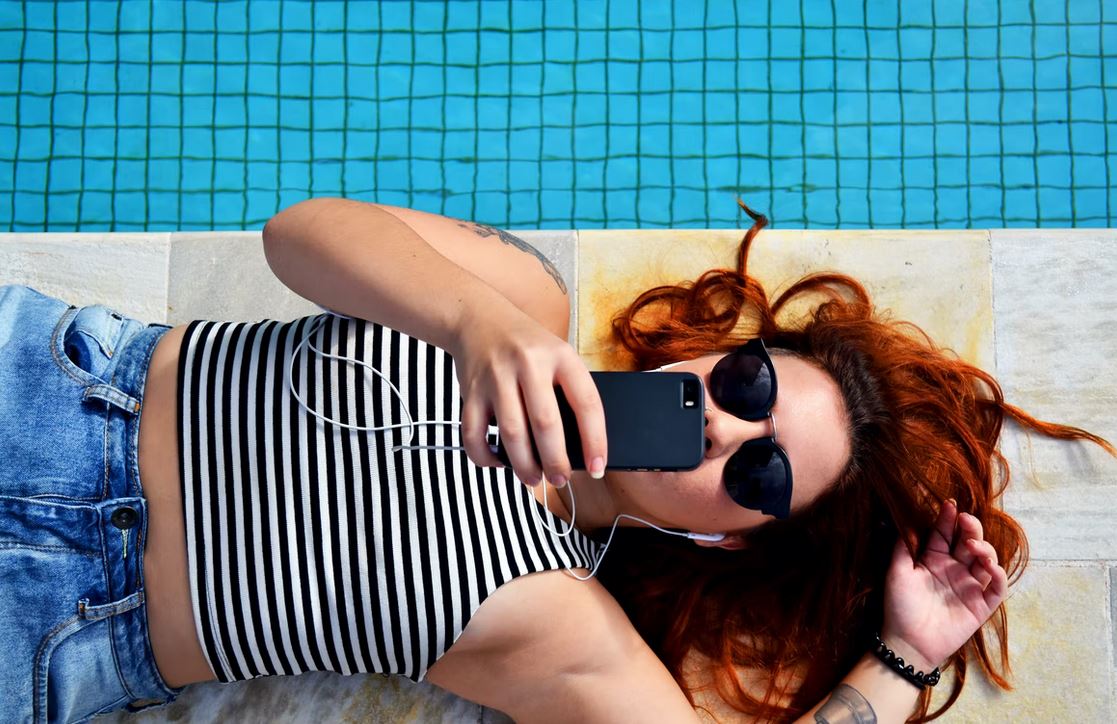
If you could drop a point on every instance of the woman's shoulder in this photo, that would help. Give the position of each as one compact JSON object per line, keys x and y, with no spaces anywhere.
{"x":549,"y":646}
{"x":537,"y":624}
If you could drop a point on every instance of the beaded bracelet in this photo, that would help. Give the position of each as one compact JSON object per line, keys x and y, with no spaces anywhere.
{"x":896,"y":663}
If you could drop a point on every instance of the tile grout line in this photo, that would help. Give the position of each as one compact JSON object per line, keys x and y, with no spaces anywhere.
{"x":167,"y":278}
{"x":1111,"y":643}
{"x":993,"y":300}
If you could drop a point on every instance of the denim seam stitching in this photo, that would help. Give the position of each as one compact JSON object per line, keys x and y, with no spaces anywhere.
{"x":38,"y":655}
{"x":105,"y":452}
{"x":131,"y":454}
{"x":115,"y":658}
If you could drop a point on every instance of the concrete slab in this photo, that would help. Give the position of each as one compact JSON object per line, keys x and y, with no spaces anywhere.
{"x":1055,"y":300}
{"x":124,"y":271}
{"x":1059,"y":647}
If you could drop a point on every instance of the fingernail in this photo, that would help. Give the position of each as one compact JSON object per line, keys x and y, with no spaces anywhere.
{"x":952,"y":501}
{"x":597,"y":468}
{"x":558,"y":481}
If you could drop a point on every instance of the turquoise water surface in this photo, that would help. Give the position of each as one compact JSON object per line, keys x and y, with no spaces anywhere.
{"x":823,"y":113}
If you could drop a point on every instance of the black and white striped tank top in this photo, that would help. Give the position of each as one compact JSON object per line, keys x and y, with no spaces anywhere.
{"x":312,"y":547}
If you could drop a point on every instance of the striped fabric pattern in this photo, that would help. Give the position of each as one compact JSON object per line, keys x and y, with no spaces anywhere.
{"x":312,"y":547}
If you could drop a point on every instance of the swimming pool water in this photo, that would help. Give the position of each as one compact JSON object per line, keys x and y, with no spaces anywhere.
{"x":823,"y":113}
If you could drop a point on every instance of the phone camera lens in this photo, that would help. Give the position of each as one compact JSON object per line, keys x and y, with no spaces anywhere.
{"x":690,"y":393}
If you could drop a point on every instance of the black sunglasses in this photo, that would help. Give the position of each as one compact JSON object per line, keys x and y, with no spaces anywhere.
{"x":758,"y":475}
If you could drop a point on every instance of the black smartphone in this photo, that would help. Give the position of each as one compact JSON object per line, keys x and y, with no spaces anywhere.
{"x":653,"y":421}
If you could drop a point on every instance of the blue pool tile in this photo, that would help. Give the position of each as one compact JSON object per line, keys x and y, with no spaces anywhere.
{"x":981,"y":42}
{"x":1051,"y":106}
{"x":198,"y":141}
{"x":1087,"y":104}
{"x":38,"y":45}
{"x":1087,"y":137}
{"x":1019,"y":171}
{"x":752,"y":42}
{"x":131,"y":205}
{"x":822,"y":172}
{"x":950,"y":106}
{"x":985,"y":171}
{"x":981,"y":75}
{"x":1054,"y":205}
{"x":28,"y":208}
{"x":983,"y":107}
{"x":853,"y":141}
{"x":66,"y":143}
{"x":851,"y":75}
{"x":621,"y":207}
{"x":99,"y":140}
{"x":1020,"y":205}
{"x":101,"y":77}
{"x":785,"y":108}
{"x":262,"y":171}
{"x":1052,"y":137}
{"x":31,"y":175}
{"x":984,"y":139}
{"x":950,"y":170}
{"x":165,"y":79}
{"x":1089,"y":171}
{"x":821,"y":208}
{"x":1054,"y":171}
{"x":1018,"y":140}
{"x":32,"y":110}
{"x":131,"y":142}
{"x":65,"y":174}
{"x":1016,"y":43}
{"x":919,"y":172}
{"x":588,"y":205}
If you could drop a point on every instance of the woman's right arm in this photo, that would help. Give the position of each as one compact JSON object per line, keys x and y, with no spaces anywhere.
{"x":500,"y":318}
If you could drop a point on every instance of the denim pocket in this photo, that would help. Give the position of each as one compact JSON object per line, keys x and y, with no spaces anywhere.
{"x":76,"y":673}
{"x":89,"y":340}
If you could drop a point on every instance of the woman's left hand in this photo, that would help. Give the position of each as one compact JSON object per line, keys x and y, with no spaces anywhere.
{"x":933,"y":606}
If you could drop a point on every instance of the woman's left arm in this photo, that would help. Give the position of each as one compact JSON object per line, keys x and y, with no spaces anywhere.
{"x":931,"y":608}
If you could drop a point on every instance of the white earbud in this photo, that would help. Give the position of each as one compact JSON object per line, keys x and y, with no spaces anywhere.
{"x":670,"y":365}
{"x":710,"y":537}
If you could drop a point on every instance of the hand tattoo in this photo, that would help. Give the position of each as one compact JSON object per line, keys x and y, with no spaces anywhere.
{"x":846,"y":706}
{"x":505,"y":237}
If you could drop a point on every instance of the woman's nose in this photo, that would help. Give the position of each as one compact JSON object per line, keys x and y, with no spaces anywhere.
{"x":726,"y":431}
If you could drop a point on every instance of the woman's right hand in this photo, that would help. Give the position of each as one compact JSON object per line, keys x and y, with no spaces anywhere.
{"x":508,"y":364}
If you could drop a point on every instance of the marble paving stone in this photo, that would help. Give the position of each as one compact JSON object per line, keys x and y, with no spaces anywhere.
{"x":1113,"y":622}
{"x":315,"y":697}
{"x":225,"y":276}
{"x":938,"y":279}
{"x":1059,"y":647}
{"x":1055,"y":300}
{"x":124,"y":271}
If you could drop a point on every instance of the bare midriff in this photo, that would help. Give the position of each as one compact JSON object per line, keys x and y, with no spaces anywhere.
{"x":170,"y":613}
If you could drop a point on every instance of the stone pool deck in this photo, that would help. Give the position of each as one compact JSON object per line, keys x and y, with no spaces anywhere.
{"x":1037,"y":308}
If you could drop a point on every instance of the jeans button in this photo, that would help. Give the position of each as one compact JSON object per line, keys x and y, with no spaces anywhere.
{"x":125,"y":517}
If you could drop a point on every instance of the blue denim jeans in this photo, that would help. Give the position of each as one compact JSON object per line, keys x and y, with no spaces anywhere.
{"x":73,"y":518}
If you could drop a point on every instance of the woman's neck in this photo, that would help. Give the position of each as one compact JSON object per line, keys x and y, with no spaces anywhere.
{"x":595,"y":507}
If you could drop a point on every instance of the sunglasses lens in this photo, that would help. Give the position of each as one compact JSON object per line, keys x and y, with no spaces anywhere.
{"x":758,"y":477}
{"x":743,"y":384}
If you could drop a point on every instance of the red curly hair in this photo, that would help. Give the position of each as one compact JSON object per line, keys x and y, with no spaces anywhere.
{"x":796,"y":607}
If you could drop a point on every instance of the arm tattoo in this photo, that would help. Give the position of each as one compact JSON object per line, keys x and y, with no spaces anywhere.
{"x":846,"y":706}
{"x":505,"y":237}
